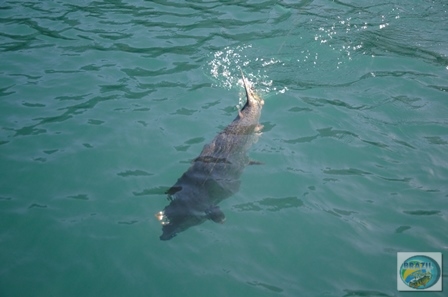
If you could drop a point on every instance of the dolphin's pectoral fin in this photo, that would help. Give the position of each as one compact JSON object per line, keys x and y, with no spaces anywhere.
{"x":215,"y":214}
{"x":173,"y":190}
{"x":253,"y":162}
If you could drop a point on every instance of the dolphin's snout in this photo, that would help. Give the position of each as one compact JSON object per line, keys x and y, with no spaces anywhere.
{"x":252,"y":97}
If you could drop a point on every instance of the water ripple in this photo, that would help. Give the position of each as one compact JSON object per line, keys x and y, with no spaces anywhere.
{"x":103,"y":103}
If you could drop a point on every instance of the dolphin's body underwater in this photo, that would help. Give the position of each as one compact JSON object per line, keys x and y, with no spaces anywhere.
{"x":214,"y":174}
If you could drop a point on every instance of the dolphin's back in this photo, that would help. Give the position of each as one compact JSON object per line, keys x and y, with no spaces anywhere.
{"x":214,"y":175}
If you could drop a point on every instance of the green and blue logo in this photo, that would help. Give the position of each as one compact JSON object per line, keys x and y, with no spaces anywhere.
{"x":419,"y":271}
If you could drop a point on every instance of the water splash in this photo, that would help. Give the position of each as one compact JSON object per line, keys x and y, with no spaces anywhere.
{"x":224,"y":67}
{"x":340,"y":35}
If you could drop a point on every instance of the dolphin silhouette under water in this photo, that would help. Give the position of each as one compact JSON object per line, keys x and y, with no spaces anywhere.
{"x":214,"y":174}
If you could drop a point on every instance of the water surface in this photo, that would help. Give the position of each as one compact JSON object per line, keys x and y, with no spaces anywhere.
{"x":103,"y":105}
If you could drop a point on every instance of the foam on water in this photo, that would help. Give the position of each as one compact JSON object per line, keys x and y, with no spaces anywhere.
{"x":224,"y":67}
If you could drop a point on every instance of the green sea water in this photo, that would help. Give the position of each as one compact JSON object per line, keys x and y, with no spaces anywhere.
{"x":103,"y":105}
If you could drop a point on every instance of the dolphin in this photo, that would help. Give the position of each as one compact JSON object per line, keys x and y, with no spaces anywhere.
{"x":215,"y":174}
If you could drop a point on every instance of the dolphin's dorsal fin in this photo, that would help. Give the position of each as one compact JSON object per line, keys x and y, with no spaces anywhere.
{"x":210,"y":159}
